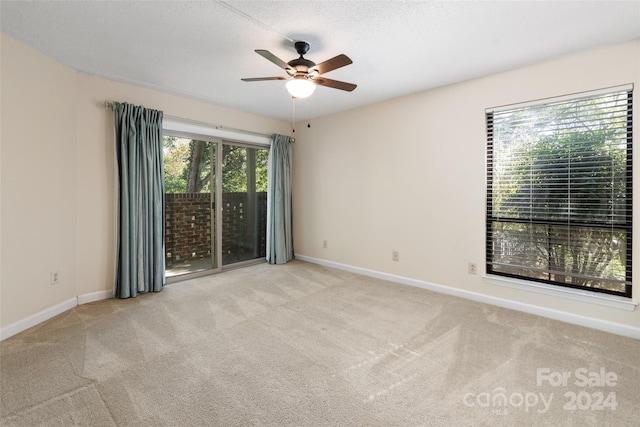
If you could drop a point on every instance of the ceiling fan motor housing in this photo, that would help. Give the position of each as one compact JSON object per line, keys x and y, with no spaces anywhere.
{"x":301,"y":65}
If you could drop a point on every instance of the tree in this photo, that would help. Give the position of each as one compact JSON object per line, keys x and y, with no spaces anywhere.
{"x":199,"y":169}
{"x":188,"y":166}
{"x":176,"y":156}
{"x":566,"y":180}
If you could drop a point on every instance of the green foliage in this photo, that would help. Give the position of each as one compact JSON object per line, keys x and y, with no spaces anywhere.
{"x":176,"y":159}
{"x":234,"y":168}
{"x":561,"y":166}
{"x":181,"y":155}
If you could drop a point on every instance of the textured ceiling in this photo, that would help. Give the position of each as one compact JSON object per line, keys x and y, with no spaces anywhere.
{"x":201,"y":49}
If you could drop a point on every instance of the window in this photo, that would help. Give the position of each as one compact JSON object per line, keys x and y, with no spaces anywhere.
{"x":559,"y":176}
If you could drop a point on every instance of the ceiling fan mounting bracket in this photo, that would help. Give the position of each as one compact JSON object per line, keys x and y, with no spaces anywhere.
{"x":301,"y":47}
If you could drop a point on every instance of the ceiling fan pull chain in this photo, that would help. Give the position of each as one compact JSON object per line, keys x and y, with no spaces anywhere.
{"x":293,"y":113}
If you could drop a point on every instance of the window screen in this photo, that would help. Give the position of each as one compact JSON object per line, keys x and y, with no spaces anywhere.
{"x":559,"y":191}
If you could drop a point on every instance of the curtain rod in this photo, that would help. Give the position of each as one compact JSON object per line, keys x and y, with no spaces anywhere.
{"x":109,"y":104}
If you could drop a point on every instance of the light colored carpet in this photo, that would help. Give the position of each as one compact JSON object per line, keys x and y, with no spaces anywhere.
{"x":305,"y":345}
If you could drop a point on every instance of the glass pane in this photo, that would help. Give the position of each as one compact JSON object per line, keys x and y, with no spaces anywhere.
{"x":562,"y":161}
{"x":560,"y":192}
{"x":189,"y":217}
{"x":244,"y":203}
{"x":589,"y":257}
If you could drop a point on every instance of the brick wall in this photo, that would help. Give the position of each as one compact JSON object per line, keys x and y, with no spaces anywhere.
{"x":188,"y":227}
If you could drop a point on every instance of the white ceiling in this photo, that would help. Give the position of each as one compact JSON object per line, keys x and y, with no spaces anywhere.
{"x":201,"y":49}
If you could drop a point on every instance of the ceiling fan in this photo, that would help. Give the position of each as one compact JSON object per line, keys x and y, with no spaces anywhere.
{"x":303,"y":74}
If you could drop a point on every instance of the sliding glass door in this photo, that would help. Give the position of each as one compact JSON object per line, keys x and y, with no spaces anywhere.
{"x":244,"y":203}
{"x":190,"y":195}
{"x":215,"y":204}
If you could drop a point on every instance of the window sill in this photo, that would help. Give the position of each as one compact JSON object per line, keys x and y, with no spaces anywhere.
{"x":557,"y":291}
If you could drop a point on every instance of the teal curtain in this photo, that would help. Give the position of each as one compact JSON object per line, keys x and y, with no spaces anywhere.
{"x":140,"y":248}
{"x":279,"y":237}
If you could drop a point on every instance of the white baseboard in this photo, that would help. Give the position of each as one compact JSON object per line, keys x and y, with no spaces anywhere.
{"x":589,"y":322}
{"x":33,"y":320}
{"x":48,"y":313}
{"x":94,"y":296}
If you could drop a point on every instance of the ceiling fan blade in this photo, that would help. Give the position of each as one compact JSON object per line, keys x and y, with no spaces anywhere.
{"x":322,"y":81}
{"x":271,"y":57}
{"x":333,"y":63}
{"x":260,"y":79}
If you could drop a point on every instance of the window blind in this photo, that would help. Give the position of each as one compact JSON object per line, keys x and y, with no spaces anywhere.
{"x":559,"y":187}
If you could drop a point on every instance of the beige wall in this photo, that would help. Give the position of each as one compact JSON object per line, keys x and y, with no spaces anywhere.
{"x":39,"y":177}
{"x":57,"y":175}
{"x":409,"y":175}
{"x":406,"y":175}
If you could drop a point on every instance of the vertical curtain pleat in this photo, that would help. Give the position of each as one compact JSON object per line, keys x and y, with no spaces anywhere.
{"x":140,"y":248}
{"x":279,"y":225}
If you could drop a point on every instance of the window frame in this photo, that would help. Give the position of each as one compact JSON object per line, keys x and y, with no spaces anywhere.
{"x":627,"y":226}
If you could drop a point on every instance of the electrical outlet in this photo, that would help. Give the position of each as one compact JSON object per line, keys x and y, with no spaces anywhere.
{"x":55,"y":277}
{"x":324,"y":244}
{"x":395,"y":256}
{"x":473,"y":269}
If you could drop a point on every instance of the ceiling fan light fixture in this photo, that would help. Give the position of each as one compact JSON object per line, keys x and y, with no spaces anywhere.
{"x":304,"y":75}
{"x":300,"y":88}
